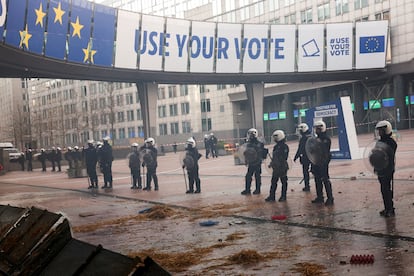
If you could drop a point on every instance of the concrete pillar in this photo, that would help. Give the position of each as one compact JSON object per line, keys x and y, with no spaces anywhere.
{"x":358,"y":99}
{"x":400,"y":107}
{"x":290,"y":119}
{"x":148,"y":94}
{"x":255,"y":96}
{"x":320,"y":99}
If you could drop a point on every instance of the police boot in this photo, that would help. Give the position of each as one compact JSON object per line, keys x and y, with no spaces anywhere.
{"x":247,"y":187}
{"x":139,"y":183}
{"x":328,"y":188}
{"x":272,"y":193}
{"x":190,"y":189}
{"x":155,"y":183}
{"x":284,"y":188}
{"x":257,"y":190}
{"x":319,"y":193}
{"x":198,"y":187}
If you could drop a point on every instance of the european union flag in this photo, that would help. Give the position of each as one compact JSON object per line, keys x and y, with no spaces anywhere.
{"x":103,"y":35}
{"x":80,"y":32}
{"x":17,"y":33}
{"x":57,"y":29}
{"x":371,"y":44}
{"x":36,"y":23}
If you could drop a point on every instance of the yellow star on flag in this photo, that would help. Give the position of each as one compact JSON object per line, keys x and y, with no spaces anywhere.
{"x":77,"y":27}
{"x":40,"y":15}
{"x":88,"y":51}
{"x":24,"y":38}
{"x":58,"y":14}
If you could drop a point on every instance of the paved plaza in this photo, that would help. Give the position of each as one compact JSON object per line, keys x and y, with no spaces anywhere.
{"x":312,"y":240}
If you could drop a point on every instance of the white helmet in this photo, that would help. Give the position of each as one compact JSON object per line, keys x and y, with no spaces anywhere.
{"x":384,"y":125}
{"x":58,"y":148}
{"x":69,"y":148}
{"x":191,"y":142}
{"x":303,"y":127}
{"x":42,"y":150}
{"x":150,"y":141}
{"x":76,"y":148}
{"x":278,"y":135}
{"x":320,"y":125}
{"x":134,"y":145}
{"x":106,"y":138}
{"x":252,"y":133}
{"x":206,"y":136}
{"x":91,"y":141}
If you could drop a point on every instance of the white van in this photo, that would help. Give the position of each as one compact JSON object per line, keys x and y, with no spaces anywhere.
{"x":14,"y":153}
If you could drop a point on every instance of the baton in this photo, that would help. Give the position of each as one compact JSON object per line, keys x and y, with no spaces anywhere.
{"x":185,"y":179}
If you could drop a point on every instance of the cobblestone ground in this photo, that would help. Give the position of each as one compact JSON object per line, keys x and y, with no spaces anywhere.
{"x":312,"y":240}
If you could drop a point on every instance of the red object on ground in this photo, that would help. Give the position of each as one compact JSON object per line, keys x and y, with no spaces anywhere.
{"x":279,"y":217}
{"x":362,"y":259}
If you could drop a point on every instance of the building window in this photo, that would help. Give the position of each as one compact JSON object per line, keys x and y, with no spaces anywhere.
{"x":161,"y":93}
{"x":130,"y":115}
{"x":306,"y":16}
{"x":84,"y":93}
{"x":174,"y":128}
{"x":173,"y":109}
{"x":205,"y":105}
{"x":221,"y":86}
{"x":119,"y":100}
{"x":141,"y":131}
{"x":163,"y":129}
{"x":323,"y":12}
{"x":121,"y":133}
{"x":206,"y":124}
{"x":185,"y":108}
{"x":139,"y":115}
{"x":172,"y":91}
{"x":382,"y":15}
{"x":162,"y":111}
{"x":186,"y":126}
{"x":184,"y":90}
{"x":137,"y":97}
{"x":290,"y":19}
{"x":341,"y":6}
{"x":120,"y":116}
{"x":259,"y":8}
{"x":94,"y":104}
{"x":102,"y":103}
{"x":129,"y":98}
{"x":273,"y":5}
{"x":84,"y":106}
{"x":103,"y":119}
{"x":131,"y":132}
{"x":359,"y":4}
{"x":104,"y":133}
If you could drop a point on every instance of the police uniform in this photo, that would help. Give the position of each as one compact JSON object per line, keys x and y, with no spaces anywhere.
{"x":280,"y":166}
{"x":254,"y":154}
{"x":105,"y":160}
{"x":135,"y":167}
{"x":192,"y":155}
{"x":301,"y":154}
{"x":91,"y":159}
{"x":150,"y":154}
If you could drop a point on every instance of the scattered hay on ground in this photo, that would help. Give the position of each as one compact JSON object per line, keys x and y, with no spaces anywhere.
{"x":176,"y":261}
{"x":159,"y":212}
{"x":217,"y":210}
{"x":246,"y":257}
{"x":156,"y":212}
{"x":235,"y":236}
{"x":309,"y":269}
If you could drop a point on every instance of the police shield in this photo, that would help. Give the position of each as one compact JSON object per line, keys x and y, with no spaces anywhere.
{"x":377,"y":155}
{"x":246,"y":154}
{"x":315,"y":151}
{"x":146,"y":158}
{"x":187,"y":160}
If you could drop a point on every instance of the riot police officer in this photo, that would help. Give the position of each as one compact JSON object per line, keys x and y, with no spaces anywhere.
{"x":213,"y":145}
{"x":29,"y":158}
{"x":69,"y":157}
{"x":301,"y":154}
{"x":42,"y":158}
{"x":207,"y":145}
{"x":254,"y":155}
{"x":279,"y":164}
{"x":58,"y":158}
{"x":191,"y":164}
{"x":135,"y":166}
{"x":386,"y":175}
{"x":105,"y":159}
{"x":91,"y":158}
{"x":320,"y":169}
{"x":150,"y":154}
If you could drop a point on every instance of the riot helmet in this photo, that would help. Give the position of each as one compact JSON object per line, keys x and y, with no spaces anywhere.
{"x":278,"y":135}
{"x":303,"y":128}
{"x":252,"y":133}
{"x":191,"y":142}
{"x":384,"y":127}
{"x":150,"y":141}
{"x":319,"y":126}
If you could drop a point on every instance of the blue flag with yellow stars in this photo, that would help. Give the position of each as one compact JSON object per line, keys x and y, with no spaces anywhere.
{"x":80,"y":32}
{"x":103,"y":36}
{"x":17,"y":33}
{"x":36,"y":23}
{"x":57,"y":29}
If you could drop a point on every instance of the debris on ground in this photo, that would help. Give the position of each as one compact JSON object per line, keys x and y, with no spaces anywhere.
{"x":159,"y":212}
{"x":309,"y":269}
{"x":246,"y":256}
{"x":208,"y":223}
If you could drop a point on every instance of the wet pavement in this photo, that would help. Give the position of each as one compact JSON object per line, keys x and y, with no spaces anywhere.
{"x":312,"y":240}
